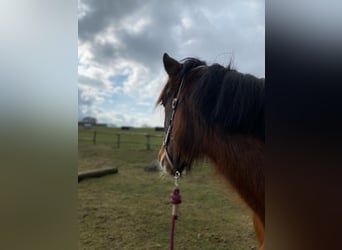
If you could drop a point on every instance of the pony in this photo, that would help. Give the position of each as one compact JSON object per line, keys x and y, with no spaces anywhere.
{"x":216,"y":113}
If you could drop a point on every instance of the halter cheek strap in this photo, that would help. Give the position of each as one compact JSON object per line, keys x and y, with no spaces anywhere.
{"x":169,"y":128}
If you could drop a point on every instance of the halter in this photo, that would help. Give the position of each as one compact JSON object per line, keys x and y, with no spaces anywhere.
{"x":169,"y":128}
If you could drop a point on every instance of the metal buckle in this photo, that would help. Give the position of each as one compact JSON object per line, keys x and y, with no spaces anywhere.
{"x":174,"y":103}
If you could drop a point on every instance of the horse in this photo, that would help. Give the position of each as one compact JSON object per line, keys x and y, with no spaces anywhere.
{"x":217,"y":113}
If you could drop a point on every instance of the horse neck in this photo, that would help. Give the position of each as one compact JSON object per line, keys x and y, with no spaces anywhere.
{"x":240,"y":160}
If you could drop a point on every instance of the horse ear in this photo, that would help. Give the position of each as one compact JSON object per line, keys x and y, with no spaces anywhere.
{"x":172,"y":66}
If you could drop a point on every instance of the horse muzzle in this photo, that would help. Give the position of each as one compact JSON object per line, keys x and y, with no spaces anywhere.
{"x":168,"y":164}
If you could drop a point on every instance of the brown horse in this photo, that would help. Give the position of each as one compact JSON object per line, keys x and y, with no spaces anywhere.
{"x":217,"y":113}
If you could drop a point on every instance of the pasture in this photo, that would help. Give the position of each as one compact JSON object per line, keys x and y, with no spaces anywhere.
{"x":131,"y":209}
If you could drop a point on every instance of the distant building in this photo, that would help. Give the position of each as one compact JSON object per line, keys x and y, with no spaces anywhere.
{"x":86,"y":125}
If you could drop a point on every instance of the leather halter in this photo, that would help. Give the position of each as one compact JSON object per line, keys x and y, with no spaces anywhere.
{"x":169,"y":128}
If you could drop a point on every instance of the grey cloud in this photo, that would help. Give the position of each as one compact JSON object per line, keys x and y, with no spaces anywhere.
{"x":234,"y":30}
{"x":103,"y":13}
{"x":145,"y":47}
{"x":104,"y":53}
{"x":90,"y":81}
{"x":84,"y":101}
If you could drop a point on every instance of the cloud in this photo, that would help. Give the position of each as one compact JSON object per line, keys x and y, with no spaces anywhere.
{"x":121,"y":44}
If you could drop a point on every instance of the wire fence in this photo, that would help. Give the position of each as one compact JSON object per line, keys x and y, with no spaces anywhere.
{"x":132,"y":140}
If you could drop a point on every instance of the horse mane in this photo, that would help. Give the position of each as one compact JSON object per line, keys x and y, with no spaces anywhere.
{"x":225,"y":98}
{"x":190,"y":63}
{"x":230,"y":100}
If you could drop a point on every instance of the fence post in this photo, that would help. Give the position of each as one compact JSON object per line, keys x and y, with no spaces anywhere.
{"x":94,"y":138}
{"x":118,"y":140}
{"x":148,"y":142}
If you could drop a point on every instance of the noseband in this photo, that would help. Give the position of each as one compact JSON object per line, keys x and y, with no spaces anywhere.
{"x":169,"y":128}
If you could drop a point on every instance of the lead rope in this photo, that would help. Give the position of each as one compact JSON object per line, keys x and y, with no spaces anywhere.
{"x":175,"y":199}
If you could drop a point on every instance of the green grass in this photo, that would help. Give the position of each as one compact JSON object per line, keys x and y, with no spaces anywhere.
{"x":131,"y":209}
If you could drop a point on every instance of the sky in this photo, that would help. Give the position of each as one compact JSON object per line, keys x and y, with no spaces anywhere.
{"x":121,"y":44}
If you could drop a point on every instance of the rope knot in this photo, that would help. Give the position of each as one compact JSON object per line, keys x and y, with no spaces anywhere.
{"x":175,"y":197}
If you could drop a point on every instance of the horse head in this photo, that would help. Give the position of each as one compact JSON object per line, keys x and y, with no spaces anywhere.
{"x":177,"y":152}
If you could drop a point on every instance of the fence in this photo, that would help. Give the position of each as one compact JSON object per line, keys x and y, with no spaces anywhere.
{"x":124,"y":139}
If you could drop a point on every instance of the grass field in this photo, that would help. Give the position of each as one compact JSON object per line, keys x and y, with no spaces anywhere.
{"x":131,"y":209}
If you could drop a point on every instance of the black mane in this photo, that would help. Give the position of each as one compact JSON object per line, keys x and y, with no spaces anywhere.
{"x":190,"y":63}
{"x":228,"y":99}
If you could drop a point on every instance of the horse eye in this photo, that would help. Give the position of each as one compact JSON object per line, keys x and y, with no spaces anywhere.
{"x":164,"y":101}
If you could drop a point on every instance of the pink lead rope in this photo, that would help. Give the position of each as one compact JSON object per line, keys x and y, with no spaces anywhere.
{"x":175,"y":199}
